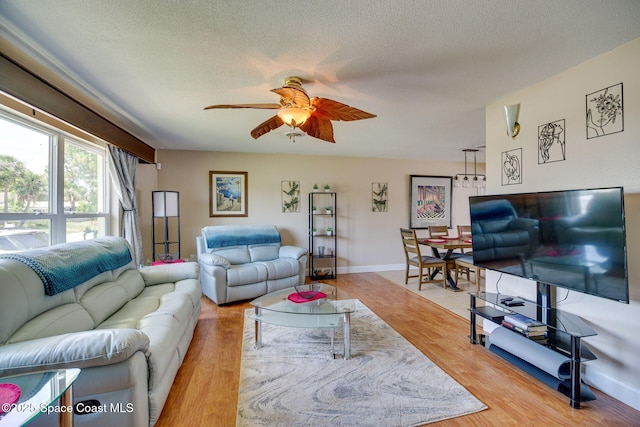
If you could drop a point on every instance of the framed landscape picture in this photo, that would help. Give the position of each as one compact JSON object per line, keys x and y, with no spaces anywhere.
{"x":228,"y":194}
{"x":430,"y":201}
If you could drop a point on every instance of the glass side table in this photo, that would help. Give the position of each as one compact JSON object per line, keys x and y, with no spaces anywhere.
{"x":38,"y":393}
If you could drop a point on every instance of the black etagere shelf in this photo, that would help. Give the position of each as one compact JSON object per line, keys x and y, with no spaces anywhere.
{"x":322,"y":235}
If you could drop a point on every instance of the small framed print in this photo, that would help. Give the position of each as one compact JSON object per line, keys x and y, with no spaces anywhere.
{"x":228,"y":194}
{"x":290,"y":196}
{"x":379,"y":195}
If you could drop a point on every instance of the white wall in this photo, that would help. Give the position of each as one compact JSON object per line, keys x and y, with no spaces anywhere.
{"x":367,"y":241}
{"x":611,"y":160}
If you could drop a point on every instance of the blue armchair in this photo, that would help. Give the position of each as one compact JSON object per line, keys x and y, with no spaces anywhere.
{"x":239,"y":262}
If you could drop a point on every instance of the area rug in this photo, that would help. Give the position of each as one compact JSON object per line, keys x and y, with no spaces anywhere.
{"x":294,"y":381}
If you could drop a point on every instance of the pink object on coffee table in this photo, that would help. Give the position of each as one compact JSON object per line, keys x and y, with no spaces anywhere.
{"x":295,"y":297}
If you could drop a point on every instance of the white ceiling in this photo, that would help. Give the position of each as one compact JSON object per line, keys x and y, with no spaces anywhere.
{"x":426,"y":68}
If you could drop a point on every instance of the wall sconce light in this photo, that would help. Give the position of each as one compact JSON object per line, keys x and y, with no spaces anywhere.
{"x":511,"y":118}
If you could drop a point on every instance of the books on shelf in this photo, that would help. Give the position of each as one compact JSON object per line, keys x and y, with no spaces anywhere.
{"x":524,"y":325}
{"x":540,"y":340}
{"x":525,"y":322}
{"x":525,"y":332}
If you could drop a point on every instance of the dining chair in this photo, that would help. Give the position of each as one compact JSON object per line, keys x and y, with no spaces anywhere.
{"x":466,"y":262}
{"x":442,"y":231}
{"x":464,"y":232}
{"x":414,"y":258}
{"x":437,"y":231}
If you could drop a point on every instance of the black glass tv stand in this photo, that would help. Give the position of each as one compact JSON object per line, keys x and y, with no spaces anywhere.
{"x":564,"y":334}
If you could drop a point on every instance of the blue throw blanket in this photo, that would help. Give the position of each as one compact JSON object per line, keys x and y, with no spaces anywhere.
{"x":67,"y":265}
{"x":221,"y":236}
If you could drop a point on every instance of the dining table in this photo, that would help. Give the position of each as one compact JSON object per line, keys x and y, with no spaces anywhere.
{"x":443,"y":248}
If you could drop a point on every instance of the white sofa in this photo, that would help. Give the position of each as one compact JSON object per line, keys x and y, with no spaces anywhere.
{"x":127,"y":329}
{"x":240,"y":262}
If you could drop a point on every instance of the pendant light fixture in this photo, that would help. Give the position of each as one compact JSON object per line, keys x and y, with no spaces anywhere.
{"x":466,"y":179}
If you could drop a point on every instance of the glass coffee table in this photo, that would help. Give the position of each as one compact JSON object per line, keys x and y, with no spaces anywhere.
{"x":330,"y":313}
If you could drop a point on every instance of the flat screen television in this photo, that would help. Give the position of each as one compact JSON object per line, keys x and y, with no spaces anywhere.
{"x":574,"y":239}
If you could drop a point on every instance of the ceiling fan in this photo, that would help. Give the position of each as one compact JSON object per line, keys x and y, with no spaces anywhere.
{"x":311,"y":115}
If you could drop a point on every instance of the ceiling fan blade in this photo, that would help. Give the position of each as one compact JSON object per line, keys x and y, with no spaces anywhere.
{"x":294,"y":95}
{"x":260,"y":106}
{"x":267,"y":126}
{"x":318,"y":127}
{"x":334,"y":110}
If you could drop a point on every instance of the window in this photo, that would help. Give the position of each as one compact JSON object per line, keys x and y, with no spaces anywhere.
{"x":53,"y":187}
{"x":84,"y":191}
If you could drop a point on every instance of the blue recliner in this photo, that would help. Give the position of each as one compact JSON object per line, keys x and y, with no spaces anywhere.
{"x":240,"y":262}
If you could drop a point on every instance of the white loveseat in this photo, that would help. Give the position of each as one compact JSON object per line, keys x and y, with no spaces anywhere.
{"x":239,"y":262}
{"x":127,"y":329}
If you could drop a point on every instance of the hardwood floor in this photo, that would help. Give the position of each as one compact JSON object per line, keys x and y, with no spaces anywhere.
{"x":206,"y":387}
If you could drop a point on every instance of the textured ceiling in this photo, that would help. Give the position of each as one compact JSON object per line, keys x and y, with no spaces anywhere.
{"x":426,"y":68}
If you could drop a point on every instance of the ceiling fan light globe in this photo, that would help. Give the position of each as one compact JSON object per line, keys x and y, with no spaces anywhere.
{"x":293,"y":116}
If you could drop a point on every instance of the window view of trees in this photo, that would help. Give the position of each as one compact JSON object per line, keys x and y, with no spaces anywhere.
{"x":84,"y":188}
{"x":32,"y":200}
{"x":22,"y":188}
{"x":80,"y":180}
